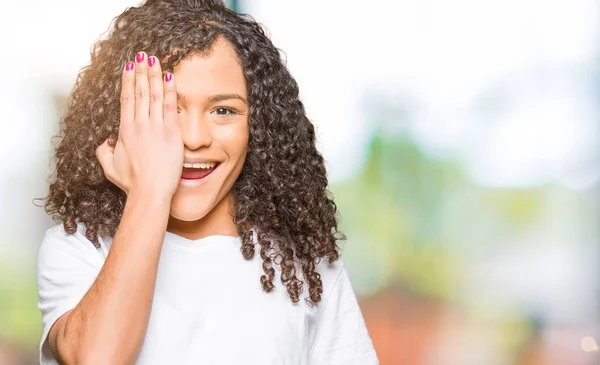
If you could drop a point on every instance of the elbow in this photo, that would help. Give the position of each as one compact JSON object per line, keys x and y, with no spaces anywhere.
{"x":72,"y":348}
{"x":84,"y":355}
{"x":76,"y":345}
{"x":77,"y":351}
{"x":65,"y":352}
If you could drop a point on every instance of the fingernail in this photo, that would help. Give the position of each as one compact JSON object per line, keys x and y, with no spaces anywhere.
{"x":168,"y":76}
{"x":139,"y":57}
{"x":129,"y":66}
{"x":151,"y":61}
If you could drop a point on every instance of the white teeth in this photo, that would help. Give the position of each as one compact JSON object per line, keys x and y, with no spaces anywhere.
{"x":201,"y":165}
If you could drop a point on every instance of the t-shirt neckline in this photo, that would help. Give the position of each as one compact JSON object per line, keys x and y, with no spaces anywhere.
{"x":216,"y":238}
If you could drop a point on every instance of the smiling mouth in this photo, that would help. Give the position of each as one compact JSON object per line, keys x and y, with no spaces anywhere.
{"x":192,"y":173}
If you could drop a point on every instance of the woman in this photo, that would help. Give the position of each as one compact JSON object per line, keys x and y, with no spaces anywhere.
{"x":184,"y":144}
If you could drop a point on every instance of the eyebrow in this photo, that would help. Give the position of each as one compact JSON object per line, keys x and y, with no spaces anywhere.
{"x":217,"y":98}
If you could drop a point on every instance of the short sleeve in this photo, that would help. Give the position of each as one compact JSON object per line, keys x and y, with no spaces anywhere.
{"x":67,"y":265}
{"x":341,"y":336}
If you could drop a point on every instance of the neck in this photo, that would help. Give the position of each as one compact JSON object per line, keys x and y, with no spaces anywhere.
{"x":216,"y":222}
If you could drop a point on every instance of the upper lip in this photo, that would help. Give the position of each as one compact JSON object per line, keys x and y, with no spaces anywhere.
{"x":199,"y":160}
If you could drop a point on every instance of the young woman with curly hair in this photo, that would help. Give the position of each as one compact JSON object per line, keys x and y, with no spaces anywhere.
{"x":185,"y":149}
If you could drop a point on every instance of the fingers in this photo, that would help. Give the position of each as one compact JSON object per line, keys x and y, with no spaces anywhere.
{"x":170,"y":100}
{"x":127,"y":94}
{"x":142,"y":88}
{"x":156,"y":90}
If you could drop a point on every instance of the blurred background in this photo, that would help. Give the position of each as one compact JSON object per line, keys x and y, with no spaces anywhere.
{"x":462,"y":142}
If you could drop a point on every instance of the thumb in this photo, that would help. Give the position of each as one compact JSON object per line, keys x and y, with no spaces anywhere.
{"x":105,"y":154}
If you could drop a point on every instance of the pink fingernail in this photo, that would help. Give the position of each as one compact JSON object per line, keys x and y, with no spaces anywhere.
{"x":129,"y":66}
{"x":151,"y":61}
{"x":168,"y":76}
{"x":139,"y":57}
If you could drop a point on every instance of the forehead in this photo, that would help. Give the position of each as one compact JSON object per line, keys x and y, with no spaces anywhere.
{"x":216,"y":72}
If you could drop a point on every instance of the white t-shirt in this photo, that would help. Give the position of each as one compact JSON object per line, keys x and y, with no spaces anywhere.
{"x":209,"y":306}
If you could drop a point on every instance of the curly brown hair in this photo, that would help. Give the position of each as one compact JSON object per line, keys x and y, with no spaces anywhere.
{"x":282,"y":189}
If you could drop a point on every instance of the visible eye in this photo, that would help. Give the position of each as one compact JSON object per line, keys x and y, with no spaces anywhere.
{"x":225,"y":111}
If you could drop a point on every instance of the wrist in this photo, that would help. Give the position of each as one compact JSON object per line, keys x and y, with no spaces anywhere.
{"x":149,"y":199}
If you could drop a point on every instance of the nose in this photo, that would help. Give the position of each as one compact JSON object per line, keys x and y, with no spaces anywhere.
{"x":195,"y":131}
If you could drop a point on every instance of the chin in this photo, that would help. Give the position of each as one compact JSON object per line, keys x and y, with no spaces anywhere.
{"x":189,"y":209}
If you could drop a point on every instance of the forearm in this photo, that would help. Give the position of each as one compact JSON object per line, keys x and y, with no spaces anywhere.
{"x":109,"y":323}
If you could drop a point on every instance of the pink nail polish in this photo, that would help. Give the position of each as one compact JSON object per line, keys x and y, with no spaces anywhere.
{"x":151,"y":61}
{"x":139,"y":57}
{"x":129,"y":66}
{"x":168,"y":76}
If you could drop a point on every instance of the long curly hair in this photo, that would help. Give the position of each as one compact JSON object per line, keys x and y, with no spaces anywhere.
{"x":281,"y":193}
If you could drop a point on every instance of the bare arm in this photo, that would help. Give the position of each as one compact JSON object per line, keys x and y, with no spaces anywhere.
{"x":108,"y":324}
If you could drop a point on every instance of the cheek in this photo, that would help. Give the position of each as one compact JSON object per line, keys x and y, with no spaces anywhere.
{"x":234,"y":140}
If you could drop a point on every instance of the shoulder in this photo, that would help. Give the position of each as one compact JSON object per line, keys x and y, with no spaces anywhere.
{"x":56,"y":236}
{"x":61,"y":248}
{"x":58,"y":231}
{"x":330,"y":271}
{"x":331,"y":275}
